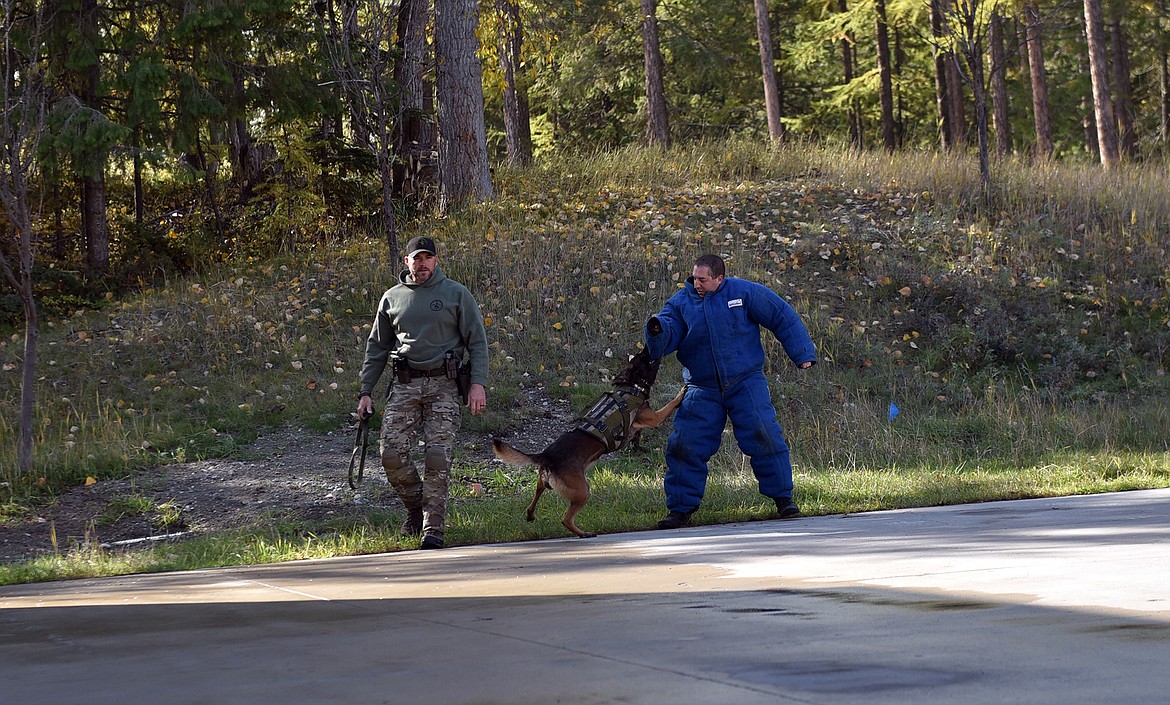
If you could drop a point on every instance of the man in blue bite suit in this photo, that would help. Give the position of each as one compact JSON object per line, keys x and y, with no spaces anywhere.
{"x":714,"y":324}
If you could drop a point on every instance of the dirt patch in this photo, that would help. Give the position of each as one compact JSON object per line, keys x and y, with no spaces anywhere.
{"x":287,"y":473}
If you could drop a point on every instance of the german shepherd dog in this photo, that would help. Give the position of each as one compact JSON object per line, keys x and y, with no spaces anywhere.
{"x":617,"y":417}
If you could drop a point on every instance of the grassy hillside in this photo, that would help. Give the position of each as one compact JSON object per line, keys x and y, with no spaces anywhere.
{"x":1023,"y":335}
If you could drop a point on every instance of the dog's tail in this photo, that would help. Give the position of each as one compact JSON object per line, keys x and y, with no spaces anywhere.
{"x":510,"y":455}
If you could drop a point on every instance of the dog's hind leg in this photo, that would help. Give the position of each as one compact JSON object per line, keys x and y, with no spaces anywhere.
{"x":575,"y":489}
{"x":571,"y":514}
{"x":530,"y":513}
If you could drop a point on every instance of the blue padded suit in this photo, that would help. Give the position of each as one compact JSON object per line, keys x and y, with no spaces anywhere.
{"x":717,"y":339}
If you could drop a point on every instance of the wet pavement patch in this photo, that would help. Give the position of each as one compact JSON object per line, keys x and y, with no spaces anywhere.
{"x":843,"y":677}
{"x":1136,"y":631}
{"x":921,"y":605}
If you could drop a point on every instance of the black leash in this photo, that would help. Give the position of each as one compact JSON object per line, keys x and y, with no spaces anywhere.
{"x":360,"y":444}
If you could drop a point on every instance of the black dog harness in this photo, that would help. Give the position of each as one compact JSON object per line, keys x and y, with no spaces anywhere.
{"x":611,"y":418}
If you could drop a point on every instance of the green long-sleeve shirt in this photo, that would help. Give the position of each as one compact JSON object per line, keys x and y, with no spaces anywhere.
{"x":421,"y":323}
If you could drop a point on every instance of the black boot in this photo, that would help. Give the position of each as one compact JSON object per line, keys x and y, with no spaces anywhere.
{"x":786,"y":508}
{"x":413,"y":524}
{"x":675,"y":519}
{"x":431,"y":541}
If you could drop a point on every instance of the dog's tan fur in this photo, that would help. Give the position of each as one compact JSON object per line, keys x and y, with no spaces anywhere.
{"x":563,"y":464}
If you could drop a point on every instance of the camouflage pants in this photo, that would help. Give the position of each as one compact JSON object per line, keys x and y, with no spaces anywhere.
{"x":430,"y":407}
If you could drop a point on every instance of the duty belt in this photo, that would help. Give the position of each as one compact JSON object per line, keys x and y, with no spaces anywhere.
{"x":437,"y":372}
{"x":611,"y":417}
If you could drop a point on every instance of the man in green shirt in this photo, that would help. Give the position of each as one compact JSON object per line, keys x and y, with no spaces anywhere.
{"x":426,"y":325}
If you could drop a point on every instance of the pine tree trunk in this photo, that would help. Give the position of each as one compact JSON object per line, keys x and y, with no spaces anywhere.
{"x":1163,"y":52}
{"x":657,"y":125}
{"x":517,"y":127}
{"x":776,"y":23}
{"x":1164,"y":90}
{"x":208,"y":166}
{"x":768,"y":68}
{"x":973,"y":50}
{"x":386,"y":164}
{"x":899,"y":105}
{"x":1025,"y":67}
{"x":247,"y":161}
{"x":24,"y":96}
{"x":889,"y":135}
{"x":854,"y":116}
{"x":956,"y":102}
{"x":1123,"y":104}
{"x":139,"y":188}
{"x":463,"y":162}
{"x":95,"y":226}
{"x":1040,"y":115}
{"x":413,"y":138}
{"x":15,"y":197}
{"x":1088,"y":121}
{"x":409,"y":72}
{"x":359,"y":119}
{"x":1099,"y":70}
{"x":136,"y":146}
{"x":941,"y":102}
{"x":999,"y":92}
{"x":28,"y":382}
{"x":330,"y":125}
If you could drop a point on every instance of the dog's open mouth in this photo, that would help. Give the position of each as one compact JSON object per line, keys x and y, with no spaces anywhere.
{"x":640,"y":372}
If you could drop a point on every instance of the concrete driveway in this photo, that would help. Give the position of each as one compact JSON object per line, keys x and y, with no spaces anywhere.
{"x":1040,"y":601}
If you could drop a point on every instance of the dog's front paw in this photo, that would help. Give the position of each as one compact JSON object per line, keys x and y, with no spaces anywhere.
{"x":587,"y":535}
{"x":529,"y":516}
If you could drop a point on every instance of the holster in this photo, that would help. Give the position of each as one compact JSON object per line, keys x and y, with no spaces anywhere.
{"x":401,"y":371}
{"x":459,"y":372}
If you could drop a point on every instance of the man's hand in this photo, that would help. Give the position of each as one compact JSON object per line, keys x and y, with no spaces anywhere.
{"x":654,"y":326}
{"x":365,"y":407}
{"x":807,"y":364}
{"x":476,"y":398}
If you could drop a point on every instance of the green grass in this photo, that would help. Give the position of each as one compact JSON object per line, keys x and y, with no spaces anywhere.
{"x":1024,"y":335}
{"x":627,"y":496}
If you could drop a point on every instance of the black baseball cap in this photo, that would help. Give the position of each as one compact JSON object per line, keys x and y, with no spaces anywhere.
{"x":421,"y":244}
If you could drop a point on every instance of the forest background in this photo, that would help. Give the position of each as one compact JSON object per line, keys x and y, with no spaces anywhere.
{"x":202,"y":199}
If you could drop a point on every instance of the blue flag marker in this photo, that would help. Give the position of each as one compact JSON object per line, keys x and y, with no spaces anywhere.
{"x":893,"y":411}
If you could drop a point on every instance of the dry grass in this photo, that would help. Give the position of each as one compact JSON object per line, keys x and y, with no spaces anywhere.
{"x":1023,"y":338}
